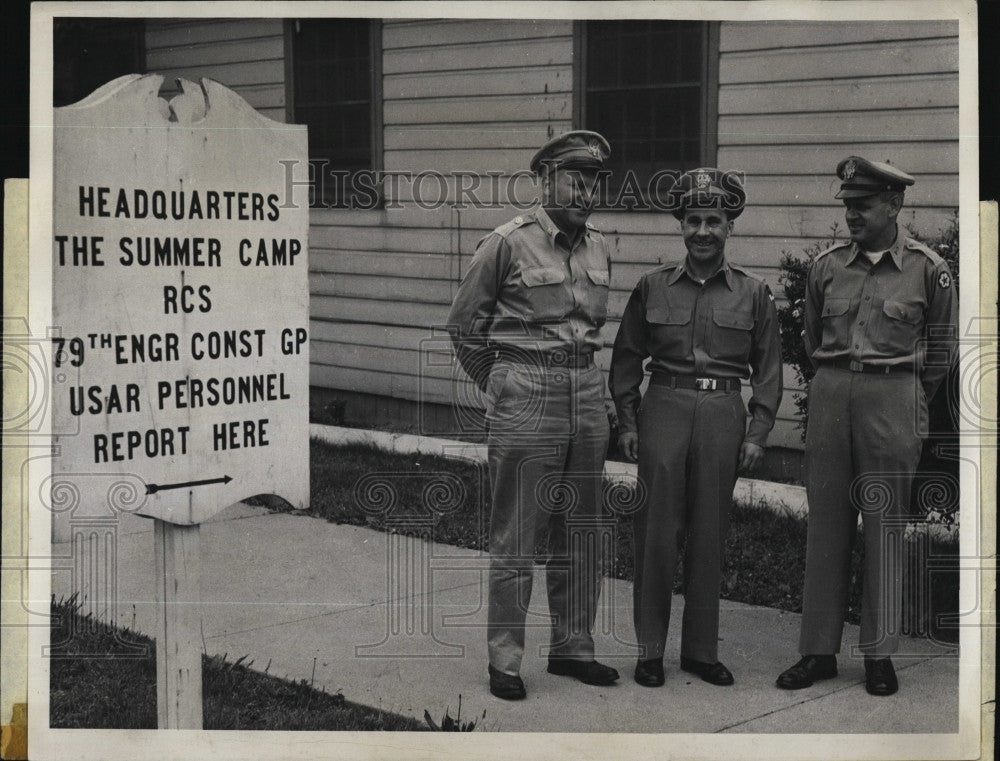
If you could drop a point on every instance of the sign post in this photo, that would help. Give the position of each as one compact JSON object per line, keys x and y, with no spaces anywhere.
{"x":181,"y":310}
{"x":178,"y":649}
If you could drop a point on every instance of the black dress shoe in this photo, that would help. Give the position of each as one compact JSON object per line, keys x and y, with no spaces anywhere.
{"x":588,"y":672}
{"x":506,"y":686}
{"x":811,"y":668}
{"x":713,"y":673}
{"x":649,"y":673}
{"x":880,"y":676}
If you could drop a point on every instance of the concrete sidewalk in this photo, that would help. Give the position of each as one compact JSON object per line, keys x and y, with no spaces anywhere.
{"x":318,"y":601}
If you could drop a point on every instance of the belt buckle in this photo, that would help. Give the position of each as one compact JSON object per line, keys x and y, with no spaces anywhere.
{"x":705,"y":384}
{"x":856,"y":367}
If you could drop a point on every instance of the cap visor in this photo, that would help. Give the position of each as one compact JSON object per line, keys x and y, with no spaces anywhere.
{"x":855,"y":193}
{"x":579,"y":163}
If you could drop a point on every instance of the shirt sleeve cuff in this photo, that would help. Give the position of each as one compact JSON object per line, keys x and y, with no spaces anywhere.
{"x":626,"y":424}
{"x":758,"y":432}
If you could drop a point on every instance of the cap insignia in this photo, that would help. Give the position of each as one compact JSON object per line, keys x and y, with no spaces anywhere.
{"x":849,"y":169}
{"x":703,"y":180}
{"x":595,"y":149}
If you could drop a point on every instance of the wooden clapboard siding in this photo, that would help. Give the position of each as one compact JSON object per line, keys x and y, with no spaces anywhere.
{"x":478,"y":96}
{"x":369,"y":311}
{"x":401,"y":289}
{"x":458,"y":96}
{"x":758,"y":219}
{"x":166,"y":33}
{"x":325,"y":261}
{"x":246,"y":55}
{"x":930,"y":190}
{"x":795,"y":98}
{"x":848,"y":128}
{"x":812,"y":160}
{"x":489,"y":55}
{"x":487,"y":158}
{"x":523,"y":136}
{"x":523,"y":81}
{"x":764,"y":35}
{"x":403,"y":35}
{"x":841,"y":61}
{"x":215,"y":52}
{"x":855,"y":94}
{"x":471,"y":109}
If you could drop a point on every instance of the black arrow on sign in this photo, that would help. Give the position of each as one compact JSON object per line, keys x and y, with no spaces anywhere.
{"x":153,"y":488}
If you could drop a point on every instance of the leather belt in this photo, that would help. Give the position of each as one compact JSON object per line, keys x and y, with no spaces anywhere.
{"x":690,"y":381}
{"x":861,"y":367}
{"x":555,"y":358}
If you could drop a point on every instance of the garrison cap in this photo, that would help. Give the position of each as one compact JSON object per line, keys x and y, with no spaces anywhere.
{"x":708,"y":188}
{"x":577,"y":148}
{"x":861,"y":177}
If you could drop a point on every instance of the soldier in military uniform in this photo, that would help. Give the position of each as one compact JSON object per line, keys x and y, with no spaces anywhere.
{"x":880,"y":328}
{"x":525,"y":324}
{"x":706,"y":323}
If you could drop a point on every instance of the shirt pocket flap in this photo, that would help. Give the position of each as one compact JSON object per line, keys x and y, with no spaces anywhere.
{"x":898,"y":310}
{"x":598,"y":277}
{"x":730,"y":318}
{"x":533,"y":276}
{"x":667,"y":316}
{"x":835,"y":307}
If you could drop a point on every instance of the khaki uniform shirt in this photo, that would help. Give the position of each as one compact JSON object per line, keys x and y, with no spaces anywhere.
{"x":726,"y":328}
{"x":527,"y":289}
{"x":900,"y":311}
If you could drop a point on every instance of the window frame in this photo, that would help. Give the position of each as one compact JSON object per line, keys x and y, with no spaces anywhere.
{"x":376,"y":146}
{"x":709,"y":143}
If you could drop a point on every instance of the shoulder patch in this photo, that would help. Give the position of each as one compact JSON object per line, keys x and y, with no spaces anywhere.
{"x":914,"y":245}
{"x":508,"y":227}
{"x":834,"y":247}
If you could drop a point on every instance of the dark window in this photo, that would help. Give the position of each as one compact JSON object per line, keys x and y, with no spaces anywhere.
{"x":88,"y":53}
{"x":650,"y":88}
{"x":335,"y":89}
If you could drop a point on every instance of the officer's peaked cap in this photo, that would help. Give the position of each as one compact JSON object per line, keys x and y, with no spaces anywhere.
{"x":860,"y":177}
{"x":708,"y":188}
{"x":579,"y":148}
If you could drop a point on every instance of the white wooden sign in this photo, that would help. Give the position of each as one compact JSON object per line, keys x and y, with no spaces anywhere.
{"x":181,"y":309}
{"x":180,"y":302}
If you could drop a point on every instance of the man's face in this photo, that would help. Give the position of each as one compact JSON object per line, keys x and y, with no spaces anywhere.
{"x":705,"y":232}
{"x":871,"y":219}
{"x":569,"y":195}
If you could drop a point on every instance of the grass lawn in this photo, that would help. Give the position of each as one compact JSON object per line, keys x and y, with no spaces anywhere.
{"x":105,"y":678}
{"x":764,"y":561}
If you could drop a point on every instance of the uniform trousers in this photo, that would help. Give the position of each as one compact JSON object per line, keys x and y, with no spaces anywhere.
{"x":862,"y":448}
{"x":547,"y":443}
{"x":689,"y":444}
